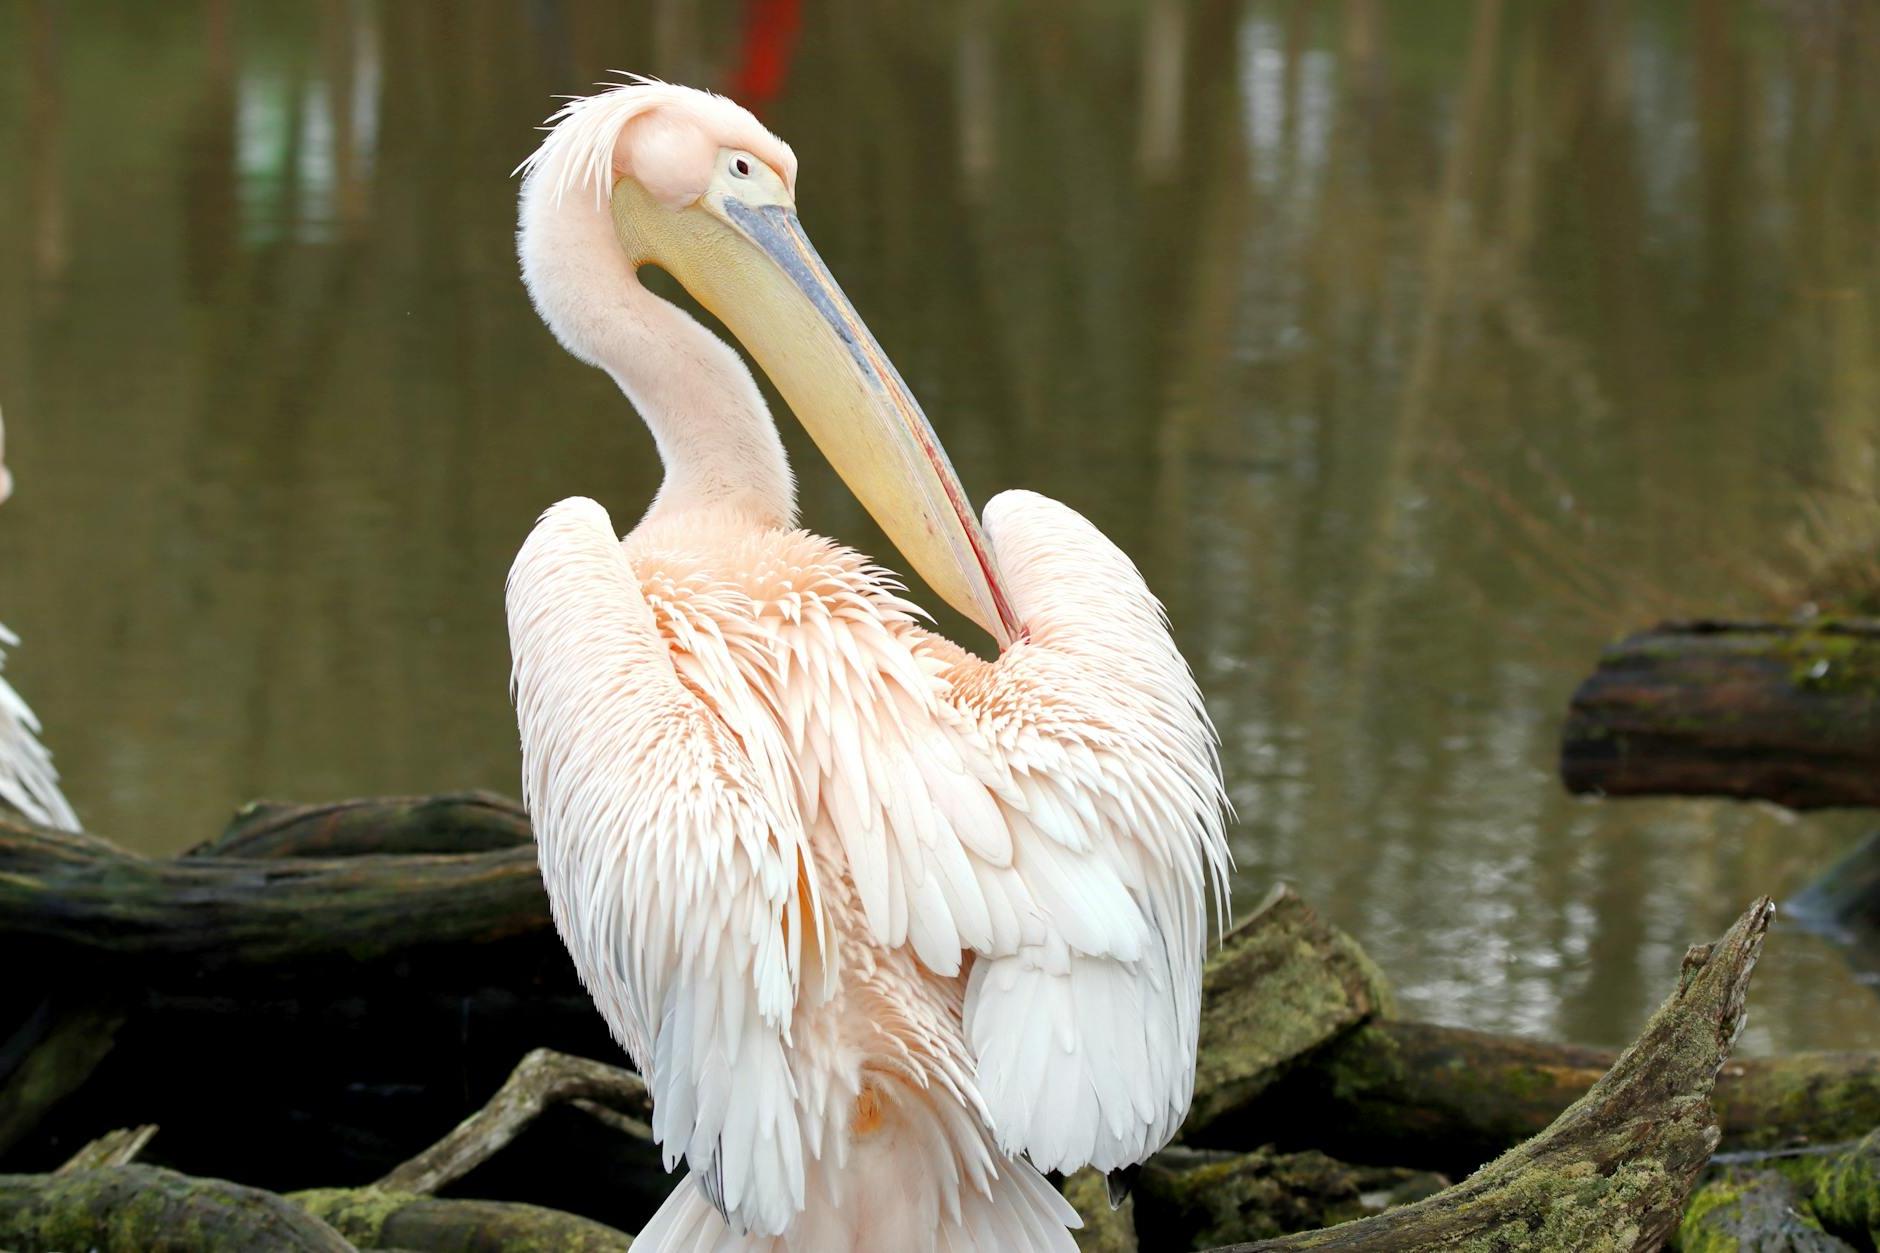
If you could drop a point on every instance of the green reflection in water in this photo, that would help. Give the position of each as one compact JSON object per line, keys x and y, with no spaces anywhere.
{"x":1413,"y":349}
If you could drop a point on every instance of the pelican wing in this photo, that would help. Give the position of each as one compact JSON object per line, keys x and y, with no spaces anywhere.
{"x":1055,"y":812}
{"x":1085,"y":1038}
{"x":674,"y":866}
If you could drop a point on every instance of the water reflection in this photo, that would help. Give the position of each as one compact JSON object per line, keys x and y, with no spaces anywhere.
{"x":1414,"y":350}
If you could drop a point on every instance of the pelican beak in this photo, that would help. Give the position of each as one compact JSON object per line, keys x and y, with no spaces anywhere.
{"x":746,"y":258}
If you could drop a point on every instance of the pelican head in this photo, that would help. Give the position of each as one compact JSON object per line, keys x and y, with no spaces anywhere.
{"x":693,"y":184}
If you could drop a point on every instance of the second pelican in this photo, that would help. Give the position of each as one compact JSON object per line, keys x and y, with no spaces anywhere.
{"x":28,"y":781}
{"x":888,"y":928}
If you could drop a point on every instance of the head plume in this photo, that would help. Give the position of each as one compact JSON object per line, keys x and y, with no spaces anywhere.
{"x":644,"y":128}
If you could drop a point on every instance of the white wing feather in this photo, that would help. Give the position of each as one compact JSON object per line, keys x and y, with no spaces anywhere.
{"x":673,"y":870}
{"x":1057,"y":812}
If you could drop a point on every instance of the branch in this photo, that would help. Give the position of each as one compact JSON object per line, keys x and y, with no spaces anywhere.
{"x":373,"y":1219}
{"x":541,"y":1079}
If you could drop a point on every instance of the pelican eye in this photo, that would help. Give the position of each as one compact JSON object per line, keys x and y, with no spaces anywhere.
{"x":741,"y":167}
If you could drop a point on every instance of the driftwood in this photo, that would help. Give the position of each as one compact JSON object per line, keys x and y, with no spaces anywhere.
{"x":145,"y":1209}
{"x":1782,"y":712}
{"x":543,"y":1078}
{"x":1451,"y":1098}
{"x":1613,"y":1171}
{"x":373,"y":1219}
{"x":363,"y":1030}
{"x":450,"y":943}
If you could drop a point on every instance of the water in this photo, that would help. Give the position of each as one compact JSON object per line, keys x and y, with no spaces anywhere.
{"x":1414,"y":350}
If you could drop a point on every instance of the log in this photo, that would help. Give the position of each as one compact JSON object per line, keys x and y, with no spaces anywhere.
{"x":374,"y":1024}
{"x":1612,"y":1172}
{"x":1783,"y":712}
{"x":194,"y":918}
{"x":1449,"y":1098}
{"x":145,"y":1209}
{"x":375,"y":1219}
{"x":454,"y":822}
{"x":368,"y":997}
{"x":1283,"y":983}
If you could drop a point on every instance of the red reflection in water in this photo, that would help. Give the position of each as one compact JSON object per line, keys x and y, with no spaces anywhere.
{"x":770,"y":29}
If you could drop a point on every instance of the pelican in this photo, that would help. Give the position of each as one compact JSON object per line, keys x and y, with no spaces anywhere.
{"x":28,"y":782}
{"x":890,"y":929}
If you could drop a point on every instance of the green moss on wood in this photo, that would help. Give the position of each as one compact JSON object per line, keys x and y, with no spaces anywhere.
{"x":374,"y":1219}
{"x":145,"y":1209}
{"x":1283,"y":983}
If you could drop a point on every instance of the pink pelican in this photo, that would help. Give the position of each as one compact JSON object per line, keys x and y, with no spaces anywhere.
{"x":28,"y":782}
{"x":889,"y":928}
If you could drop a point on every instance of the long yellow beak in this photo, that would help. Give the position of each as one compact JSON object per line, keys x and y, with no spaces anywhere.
{"x":754,"y":268}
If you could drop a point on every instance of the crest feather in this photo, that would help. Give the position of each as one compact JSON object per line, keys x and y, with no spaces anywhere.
{"x":579,"y":149}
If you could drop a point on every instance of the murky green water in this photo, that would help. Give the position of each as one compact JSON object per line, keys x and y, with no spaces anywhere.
{"x":1414,"y":349}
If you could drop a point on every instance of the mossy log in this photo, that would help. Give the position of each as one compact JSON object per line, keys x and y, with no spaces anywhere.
{"x":373,"y":1219}
{"x":1782,"y":712}
{"x":1753,"y":1212}
{"x":1450,"y":1098}
{"x":146,"y":1209}
{"x":1282,"y":984}
{"x":1612,"y":1172}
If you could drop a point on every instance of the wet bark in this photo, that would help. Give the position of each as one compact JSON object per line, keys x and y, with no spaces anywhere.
{"x":1782,"y":712}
